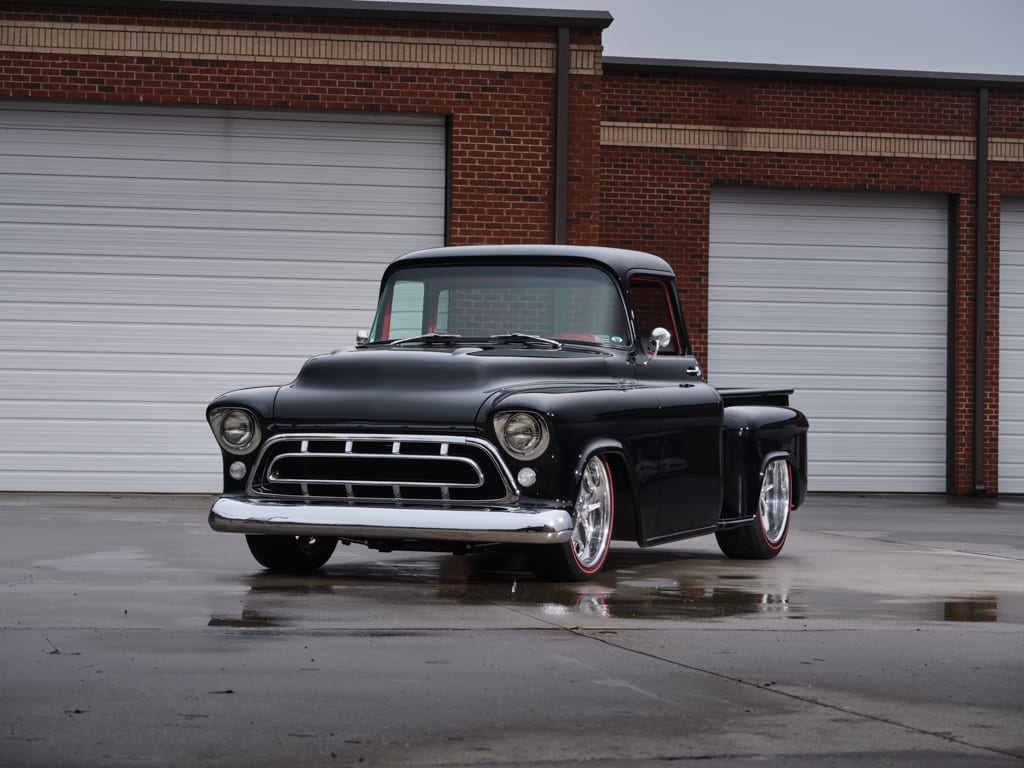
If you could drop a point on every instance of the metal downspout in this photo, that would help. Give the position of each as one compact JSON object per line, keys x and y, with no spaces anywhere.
{"x":980,"y":292}
{"x":562,"y":137}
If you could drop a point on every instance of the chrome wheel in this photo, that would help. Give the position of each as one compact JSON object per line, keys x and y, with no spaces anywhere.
{"x":592,"y":531}
{"x":766,"y":535}
{"x":774,"y":503}
{"x":582,"y":557}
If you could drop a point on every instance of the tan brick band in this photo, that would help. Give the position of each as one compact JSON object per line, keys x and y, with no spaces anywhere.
{"x":1008,"y":150}
{"x":805,"y":142}
{"x":292,"y":47}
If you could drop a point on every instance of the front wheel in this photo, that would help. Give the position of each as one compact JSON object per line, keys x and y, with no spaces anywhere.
{"x":764,"y":539}
{"x":293,"y":554}
{"x":593,"y":514}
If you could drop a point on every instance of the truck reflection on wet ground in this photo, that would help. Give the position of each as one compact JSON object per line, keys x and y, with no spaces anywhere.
{"x":642,"y":586}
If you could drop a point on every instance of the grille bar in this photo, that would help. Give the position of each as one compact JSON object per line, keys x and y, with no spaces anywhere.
{"x":275,"y":476}
{"x":446,"y":469}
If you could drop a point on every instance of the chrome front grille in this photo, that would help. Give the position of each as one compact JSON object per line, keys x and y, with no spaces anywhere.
{"x":382,"y":468}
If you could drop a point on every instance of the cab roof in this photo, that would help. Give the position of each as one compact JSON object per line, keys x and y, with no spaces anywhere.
{"x":617,"y":260}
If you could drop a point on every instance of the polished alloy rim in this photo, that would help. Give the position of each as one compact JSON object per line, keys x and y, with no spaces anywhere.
{"x":774,"y":503}
{"x":593,"y":523}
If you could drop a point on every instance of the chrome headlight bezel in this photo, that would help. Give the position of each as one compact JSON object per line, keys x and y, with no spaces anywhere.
{"x":521,"y":434}
{"x":237,"y":430}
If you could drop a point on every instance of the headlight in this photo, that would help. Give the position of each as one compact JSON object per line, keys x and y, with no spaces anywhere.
{"x":522,"y":435}
{"x":237,"y":430}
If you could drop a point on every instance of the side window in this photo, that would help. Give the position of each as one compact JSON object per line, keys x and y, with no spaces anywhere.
{"x":652,"y":309}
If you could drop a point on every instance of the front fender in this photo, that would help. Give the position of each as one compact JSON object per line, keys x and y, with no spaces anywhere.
{"x":583,"y":421}
{"x":627,"y":524}
{"x":259,"y":400}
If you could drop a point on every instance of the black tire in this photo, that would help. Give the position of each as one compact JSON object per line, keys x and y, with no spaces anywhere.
{"x":582,"y":557}
{"x":765,"y":538}
{"x":291,"y":554}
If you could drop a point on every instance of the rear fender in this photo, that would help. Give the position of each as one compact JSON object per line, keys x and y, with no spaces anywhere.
{"x":754,"y":436}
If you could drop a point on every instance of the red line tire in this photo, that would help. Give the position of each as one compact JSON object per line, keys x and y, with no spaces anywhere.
{"x":765,"y":538}
{"x":583,"y":556}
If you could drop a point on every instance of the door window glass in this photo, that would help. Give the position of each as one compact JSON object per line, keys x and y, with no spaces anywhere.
{"x":652,"y":309}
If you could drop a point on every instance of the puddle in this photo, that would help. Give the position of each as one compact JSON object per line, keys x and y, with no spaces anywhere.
{"x":983,"y":609}
{"x":671,"y":588}
{"x":123,"y":559}
{"x":676,"y":603}
{"x":248,"y":620}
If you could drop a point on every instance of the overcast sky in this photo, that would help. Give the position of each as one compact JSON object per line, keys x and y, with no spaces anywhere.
{"x":962,"y":36}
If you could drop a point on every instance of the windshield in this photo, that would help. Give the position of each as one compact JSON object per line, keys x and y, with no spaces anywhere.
{"x":569,"y":304}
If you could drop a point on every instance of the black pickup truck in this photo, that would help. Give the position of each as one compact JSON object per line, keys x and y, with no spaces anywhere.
{"x":541,"y":397}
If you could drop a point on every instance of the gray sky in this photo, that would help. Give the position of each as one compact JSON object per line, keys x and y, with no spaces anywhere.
{"x":963,"y":36}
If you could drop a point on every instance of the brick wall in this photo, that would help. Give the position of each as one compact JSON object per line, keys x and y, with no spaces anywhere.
{"x":790,"y":105}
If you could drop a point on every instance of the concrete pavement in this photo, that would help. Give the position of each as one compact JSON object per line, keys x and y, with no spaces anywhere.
{"x":889,"y":632}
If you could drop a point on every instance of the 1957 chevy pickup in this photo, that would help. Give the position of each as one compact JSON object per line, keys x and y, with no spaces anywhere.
{"x":540,"y":397}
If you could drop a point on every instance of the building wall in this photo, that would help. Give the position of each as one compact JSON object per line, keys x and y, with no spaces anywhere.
{"x":496,"y":83}
{"x":667,"y":138}
{"x":645,"y":147}
{"x":1005,"y":178}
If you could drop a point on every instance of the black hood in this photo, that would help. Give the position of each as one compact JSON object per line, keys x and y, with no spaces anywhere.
{"x":436,"y":386}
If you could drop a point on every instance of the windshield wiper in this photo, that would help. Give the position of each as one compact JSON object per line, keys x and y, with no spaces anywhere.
{"x":427,"y":337}
{"x":528,"y":338}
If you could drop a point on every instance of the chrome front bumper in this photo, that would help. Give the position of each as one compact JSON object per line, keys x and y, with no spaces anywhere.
{"x":507,"y":525}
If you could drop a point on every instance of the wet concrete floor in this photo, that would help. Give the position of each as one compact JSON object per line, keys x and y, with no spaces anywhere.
{"x":889,"y":632}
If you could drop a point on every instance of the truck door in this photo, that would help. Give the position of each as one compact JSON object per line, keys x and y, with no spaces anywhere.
{"x":688,"y":477}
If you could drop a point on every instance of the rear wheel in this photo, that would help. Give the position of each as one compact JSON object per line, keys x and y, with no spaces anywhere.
{"x":294,"y":554}
{"x":764,"y":539}
{"x":593,"y":514}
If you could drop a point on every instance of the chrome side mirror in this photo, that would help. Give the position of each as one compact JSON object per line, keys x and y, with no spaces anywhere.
{"x":660,"y":338}
{"x":362,"y":338}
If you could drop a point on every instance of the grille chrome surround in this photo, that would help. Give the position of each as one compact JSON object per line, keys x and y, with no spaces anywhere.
{"x":383,"y":469}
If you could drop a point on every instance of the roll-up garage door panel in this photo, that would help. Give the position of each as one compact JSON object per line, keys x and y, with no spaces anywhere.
{"x":243,"y":291}
{"x":840,"y":299}
{"x":196,"y":184}
{"x":109,"y":390}
{"x":52,"y":266}
{"x":1011,"y":347}
{"x":168,"y":338}
{"x":291,"y":138}
{"x":831,"y":360}
{"x":858,"y":236}
{"x":856,"y":320}
{"x":153,"y":258}
{"x":214,"y":224}
{"x":210,"y":316}
{"x":844,"y":297}
{"x":826,"y":339}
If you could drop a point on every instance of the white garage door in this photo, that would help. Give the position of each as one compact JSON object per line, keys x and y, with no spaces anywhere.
{"x":151,"y":259}
{"x":844,"y":297}
{"x":1011,"y":347}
